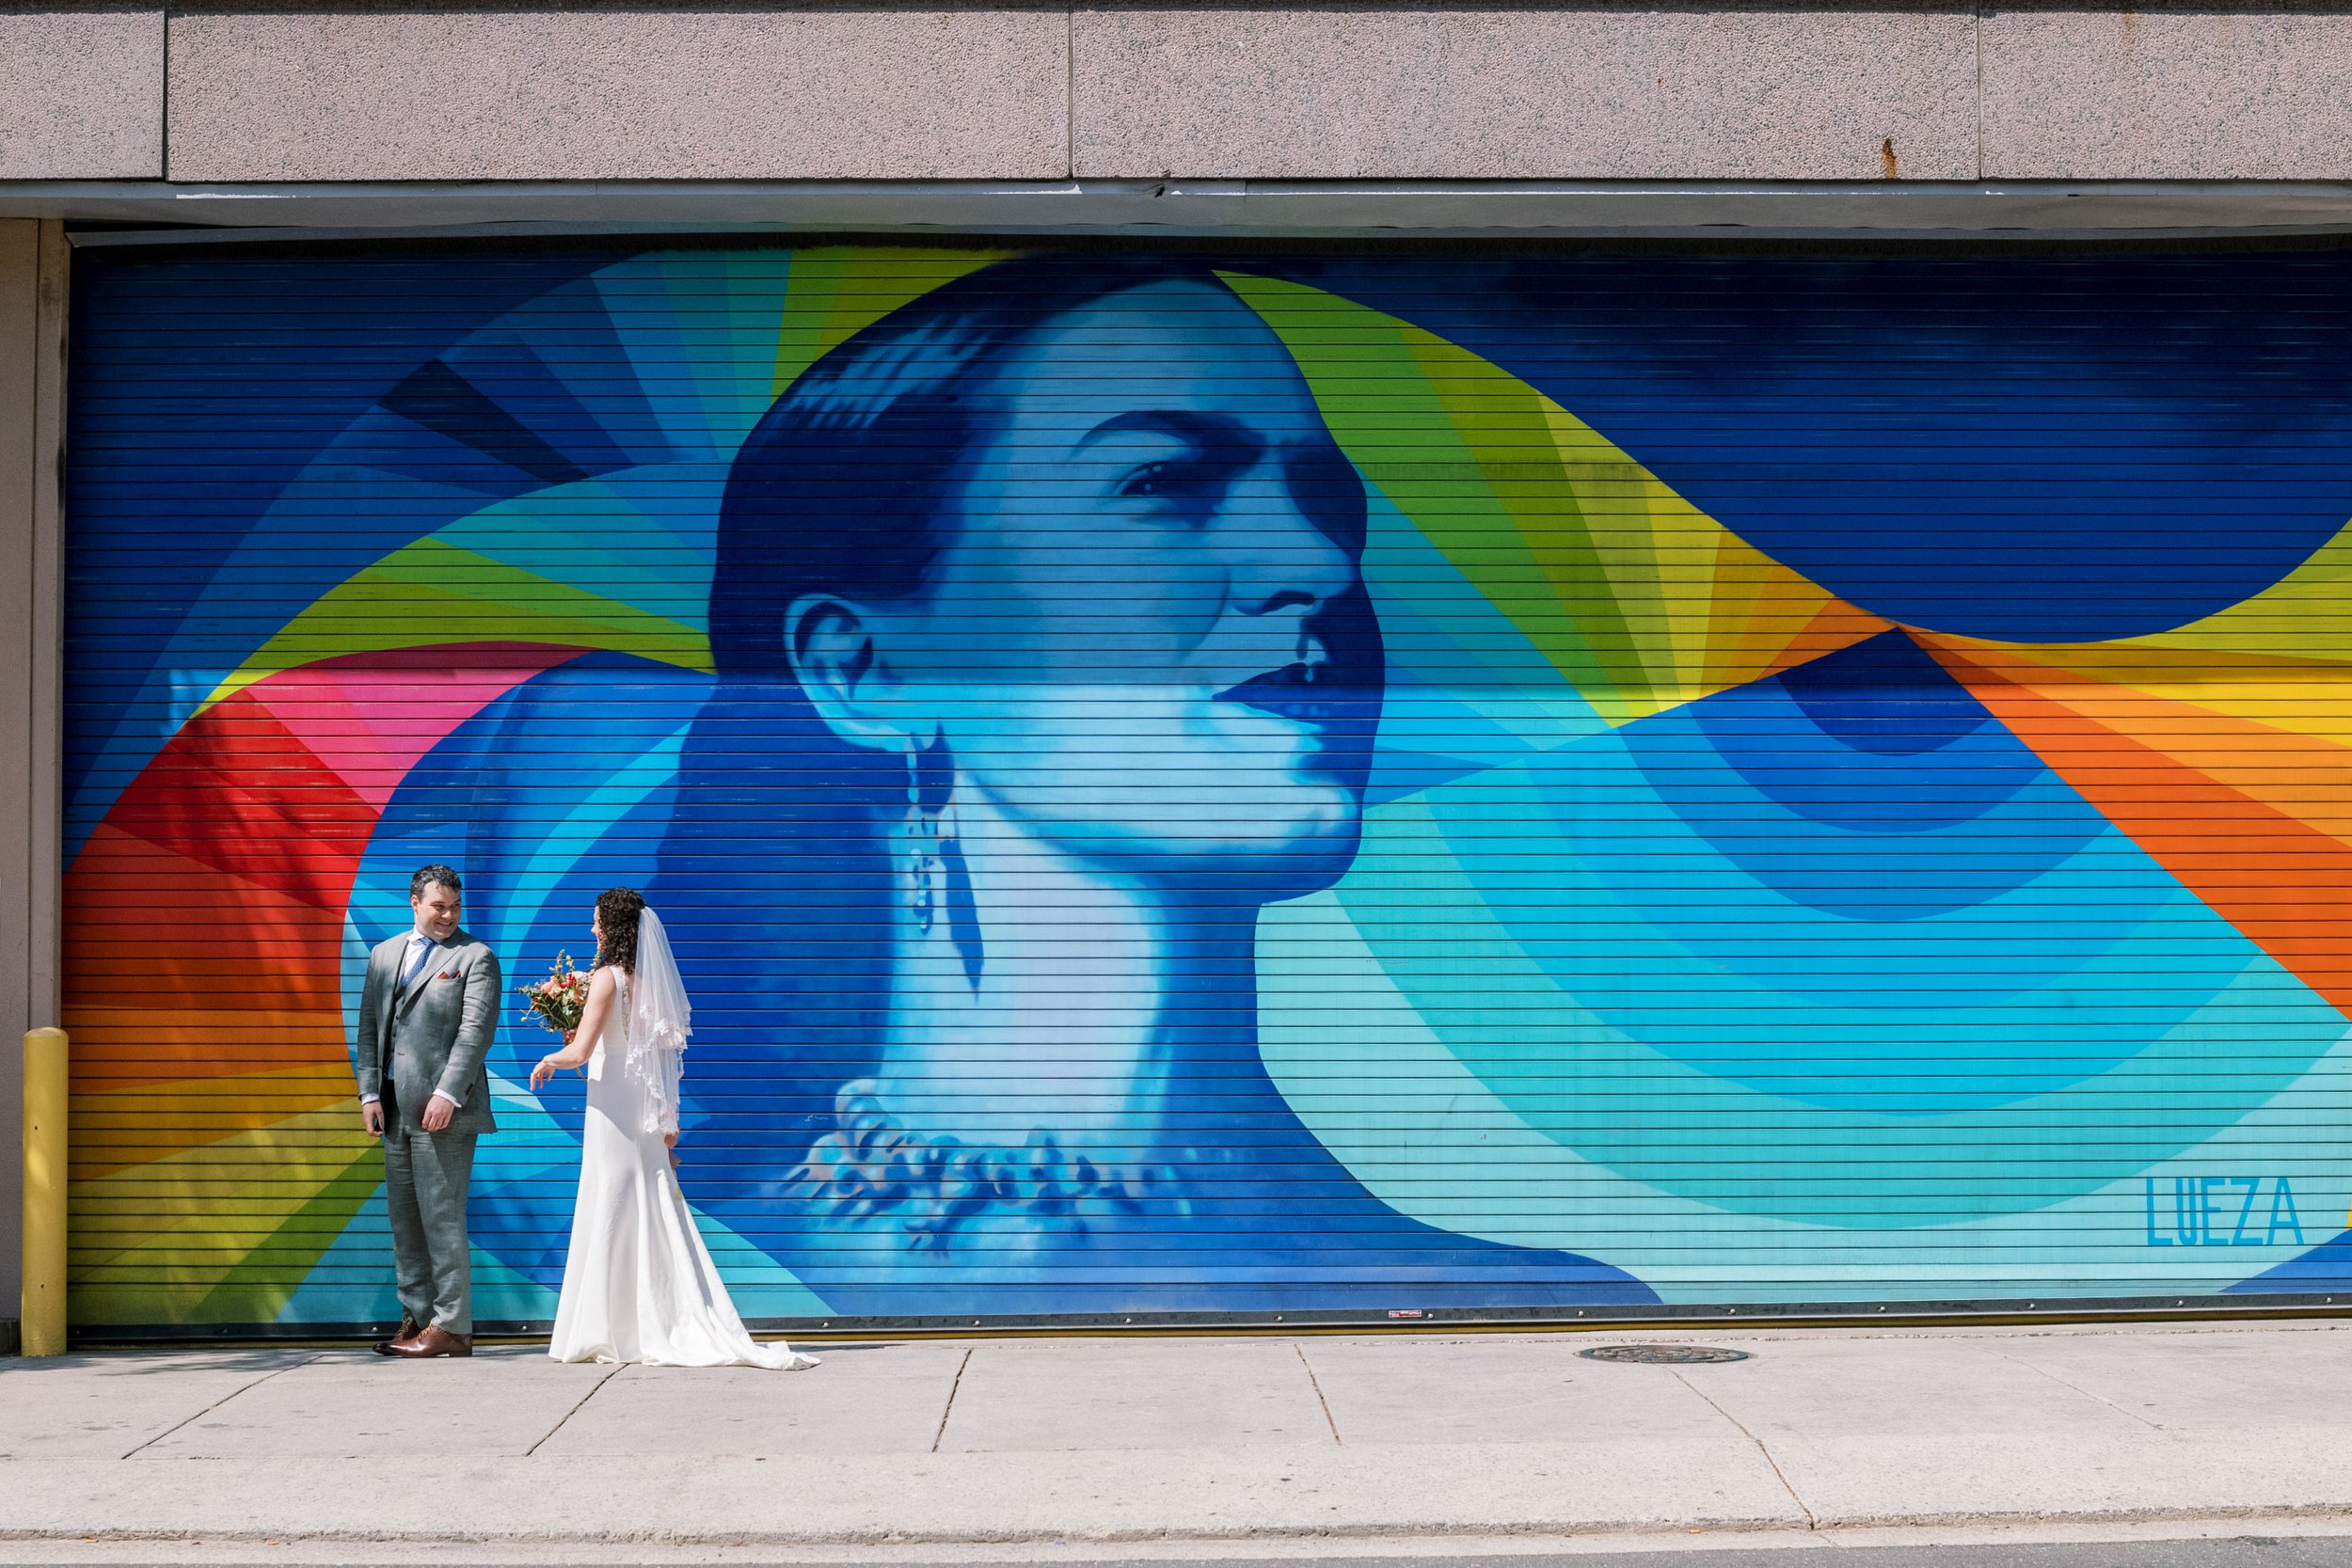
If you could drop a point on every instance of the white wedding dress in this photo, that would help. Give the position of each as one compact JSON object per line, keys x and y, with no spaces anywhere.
{"x":639,"y":1284}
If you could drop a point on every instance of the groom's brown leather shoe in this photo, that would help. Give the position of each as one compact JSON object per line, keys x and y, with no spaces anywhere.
{"x":409,"y":1330}
{"x":433,"y":1342}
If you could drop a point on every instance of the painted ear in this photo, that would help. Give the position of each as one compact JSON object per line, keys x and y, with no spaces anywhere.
{"x":830,"y":644}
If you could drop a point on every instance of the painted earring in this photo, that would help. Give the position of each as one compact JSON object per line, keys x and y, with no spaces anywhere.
{"x":925,"y":833}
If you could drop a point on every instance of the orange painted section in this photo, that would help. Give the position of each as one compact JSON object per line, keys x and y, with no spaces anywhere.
{"x":2282,"y":882}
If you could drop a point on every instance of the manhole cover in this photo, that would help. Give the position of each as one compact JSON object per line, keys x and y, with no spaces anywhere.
{"x":1661,"y":1355}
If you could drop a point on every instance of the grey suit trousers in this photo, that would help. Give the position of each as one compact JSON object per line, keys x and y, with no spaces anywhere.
{"x":425,"y":1176}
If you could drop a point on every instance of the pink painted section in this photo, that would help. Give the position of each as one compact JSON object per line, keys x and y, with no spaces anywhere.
{"x":368,"y":718}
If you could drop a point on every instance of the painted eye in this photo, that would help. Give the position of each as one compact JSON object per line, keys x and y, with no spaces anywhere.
{"x":1152,"y":478}
{"x":1186,"y":487}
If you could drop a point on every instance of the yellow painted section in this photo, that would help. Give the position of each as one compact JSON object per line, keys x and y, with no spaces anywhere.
{"x":155,"y":1240}
{"x":2307,"y":614}
{"x":1650,"y":603}
{"x":431,"y":593}
{"x":118,"y":1130}
{"x":836,"y":292}
{"x":2304,"y":696}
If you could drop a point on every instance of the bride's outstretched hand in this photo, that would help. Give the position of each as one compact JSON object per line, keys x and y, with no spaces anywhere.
{"x":545,"y":1070}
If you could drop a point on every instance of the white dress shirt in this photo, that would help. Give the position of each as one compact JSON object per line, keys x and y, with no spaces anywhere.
{"x":418,"y":943}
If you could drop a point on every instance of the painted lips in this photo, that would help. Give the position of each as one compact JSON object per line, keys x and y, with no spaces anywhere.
{"x":1294,"y":692}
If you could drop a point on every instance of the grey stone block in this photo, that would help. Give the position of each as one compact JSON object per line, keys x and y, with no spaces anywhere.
{"x":1464,"y":91}
{"x":2170,"y":92}
{"x":619,"y":92}
{"x":81,"y":92}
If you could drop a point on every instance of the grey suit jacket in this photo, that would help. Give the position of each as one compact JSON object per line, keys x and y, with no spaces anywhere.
{"x":432,"y":1034}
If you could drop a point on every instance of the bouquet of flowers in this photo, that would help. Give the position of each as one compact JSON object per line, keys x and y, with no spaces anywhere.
{"x":557,"y":1001}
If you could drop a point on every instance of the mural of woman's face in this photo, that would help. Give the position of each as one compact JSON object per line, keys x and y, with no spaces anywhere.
{"x":1131,"y":640}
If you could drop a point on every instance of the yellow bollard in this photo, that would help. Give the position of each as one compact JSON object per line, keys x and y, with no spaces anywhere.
{"x":44,"y":1192}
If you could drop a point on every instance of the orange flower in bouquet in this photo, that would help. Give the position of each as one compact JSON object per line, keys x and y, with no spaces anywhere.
{"x":558,"y":1001}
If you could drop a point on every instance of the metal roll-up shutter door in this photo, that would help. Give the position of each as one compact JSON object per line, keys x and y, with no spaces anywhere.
{"x":1303,"y":787}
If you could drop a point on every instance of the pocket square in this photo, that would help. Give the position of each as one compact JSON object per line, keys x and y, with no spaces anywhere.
{"x":446,"y":974}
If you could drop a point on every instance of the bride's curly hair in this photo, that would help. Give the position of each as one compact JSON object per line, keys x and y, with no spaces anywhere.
{"x":617,"y":909}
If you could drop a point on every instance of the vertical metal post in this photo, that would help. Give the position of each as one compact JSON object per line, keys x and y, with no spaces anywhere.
{"x":44,"y":1192}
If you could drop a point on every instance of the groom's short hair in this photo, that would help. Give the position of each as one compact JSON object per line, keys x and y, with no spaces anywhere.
{"x":426,"y":875}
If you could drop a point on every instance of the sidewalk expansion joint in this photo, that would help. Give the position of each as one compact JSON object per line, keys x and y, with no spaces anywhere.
{"x":306,"y":1361}
{"x":1811,"y":1522}
{"x":1316,"y":1384}
{"x":940,"y":1433}
{"x":592,"y":1391}
{"x":2086,"y":1393}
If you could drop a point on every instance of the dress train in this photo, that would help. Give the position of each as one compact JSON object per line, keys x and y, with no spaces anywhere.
{"x":639,"y":1284}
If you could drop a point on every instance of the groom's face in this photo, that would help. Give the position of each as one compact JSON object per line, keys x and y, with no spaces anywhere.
{"x":437,"y":908}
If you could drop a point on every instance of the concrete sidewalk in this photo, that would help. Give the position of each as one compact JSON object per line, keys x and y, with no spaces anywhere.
{"x":1117,"y":1439}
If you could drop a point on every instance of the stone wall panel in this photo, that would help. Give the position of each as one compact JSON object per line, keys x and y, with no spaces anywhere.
{"x":2201,"y":91}
{"x":81,"y":92}
{"x":619,"y":92}
{"x":1486,"y":91}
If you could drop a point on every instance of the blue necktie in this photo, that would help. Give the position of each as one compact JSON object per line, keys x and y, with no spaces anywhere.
{"x":424,"y":951}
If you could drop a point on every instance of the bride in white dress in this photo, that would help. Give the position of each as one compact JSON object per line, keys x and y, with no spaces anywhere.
{"x":639,"y":1284}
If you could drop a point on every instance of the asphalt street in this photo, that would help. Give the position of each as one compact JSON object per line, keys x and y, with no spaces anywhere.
{"x":2242,"y":1551}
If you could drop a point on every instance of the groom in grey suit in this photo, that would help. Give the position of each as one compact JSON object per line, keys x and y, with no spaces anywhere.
{"x":427,"y":1012}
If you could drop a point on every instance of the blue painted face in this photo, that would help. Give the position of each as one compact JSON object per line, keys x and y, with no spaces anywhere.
{"x":1145,"y":642}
